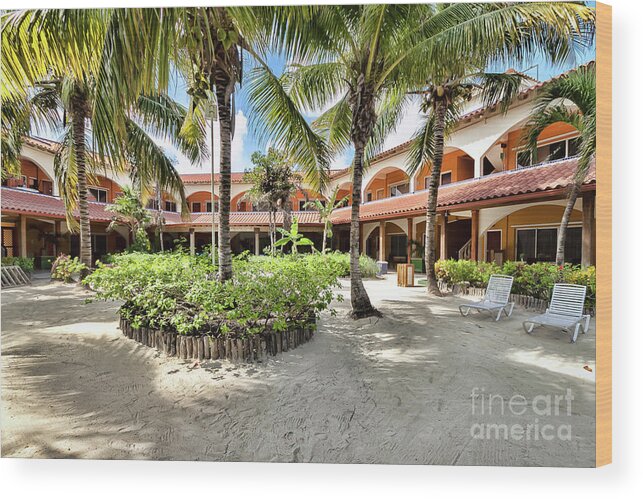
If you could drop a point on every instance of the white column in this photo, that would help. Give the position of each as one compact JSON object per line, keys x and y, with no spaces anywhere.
{"x":477,"y":167}
{"x":257,"y":241}
{"x":192,"y":242}
{"x":412,"y":183}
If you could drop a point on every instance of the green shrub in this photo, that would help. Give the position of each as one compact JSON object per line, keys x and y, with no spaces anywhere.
{"x":177,"y":292}
{"x":535,"y":279}
{"x":25,"y":263}
{"x":141,"y":242}
{"x":367,"y":265}
{"x":64,"y":267}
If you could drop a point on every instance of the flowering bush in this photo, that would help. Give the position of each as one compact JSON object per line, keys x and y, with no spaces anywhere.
{"x":535,"y":279}
{"x":174,"y":291}
{"x":64,"y":268}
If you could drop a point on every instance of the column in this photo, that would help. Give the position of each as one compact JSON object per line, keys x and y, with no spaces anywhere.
{"x":477,"y":167}
{"x":382,"y":255}
{"x":56,"y":234}
{"x":412,"y":179}
{"x":475,"y":222}
{"x":192,"y":242}
{"x":23,"y":235}
{"x":589,"y":229}
{"x":409,"y":238}
{"x":257,"y":249}
{"x":443,"y":235}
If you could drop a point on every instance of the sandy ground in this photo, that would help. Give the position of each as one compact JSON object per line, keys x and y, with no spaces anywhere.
{"x":393,"y":390}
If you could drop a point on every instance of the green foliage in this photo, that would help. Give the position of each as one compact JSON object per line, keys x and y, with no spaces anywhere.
{"x":64,"y":268}
{"x":174,"y":291}
{"x":367,"y":265}
{"x":535,"y":279}
{"x":141,"y":242}
{"x":25,"y":263}
{"x":293,"y":237}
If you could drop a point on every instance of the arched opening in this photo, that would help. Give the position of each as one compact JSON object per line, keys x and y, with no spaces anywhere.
{"x":201,"y":202}
{"x":457,"y":165}
{"x":32,"y":176}
{"x":345,"y":191}
{"x":240,"y":202}
{"x":103,"y":189}
{"x":387,"y":182}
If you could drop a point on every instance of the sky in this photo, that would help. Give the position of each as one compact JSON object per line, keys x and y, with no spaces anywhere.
{"x":245,"y":141}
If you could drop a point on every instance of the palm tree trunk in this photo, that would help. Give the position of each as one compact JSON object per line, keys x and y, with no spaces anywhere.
{"x":432,"y":201}
{"x":324,"y":237}
{"x":360,"y":301}
{"x":225,"y":169}
{"x":77,"y":115}
{"x":287,"y":211}
{"x":564,"y":223}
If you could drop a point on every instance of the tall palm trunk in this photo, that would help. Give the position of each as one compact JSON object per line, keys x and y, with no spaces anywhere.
{"x":432,"y":201}
{"x":360,"y":301}
{"x":287,"y":213}
{"x":78,"y":114}
{"x":324,"y":237}
{"x":363,"y":109}
{"x":564,"y":223}
{"x":225,"y":169}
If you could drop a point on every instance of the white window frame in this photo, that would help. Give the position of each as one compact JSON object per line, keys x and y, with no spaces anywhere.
{"x":391,"y":186}
{"x":566,"y":137}
{"x":444,"y":173}
{"x":99,"y":189}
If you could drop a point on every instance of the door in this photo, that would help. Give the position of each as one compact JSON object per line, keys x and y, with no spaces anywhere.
{"x":494,"y":246}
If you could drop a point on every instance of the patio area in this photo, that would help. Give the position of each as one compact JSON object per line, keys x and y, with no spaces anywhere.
{"x":416,"y":387}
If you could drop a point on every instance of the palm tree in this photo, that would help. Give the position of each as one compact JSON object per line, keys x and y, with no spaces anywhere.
{"x":53,"y":53}
{"x":570,"y":99}
{"x":128,"y":211}
{"x":443,"y":102}
{"x":325,"y":211}
{"x":361,"y":60}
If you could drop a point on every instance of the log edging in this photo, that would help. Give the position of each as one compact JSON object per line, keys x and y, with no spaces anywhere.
{"x":255,"y":348}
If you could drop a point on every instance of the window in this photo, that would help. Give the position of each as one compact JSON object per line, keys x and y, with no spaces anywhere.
{"x":302,"y":205}
{"x":539,"y":245}
{"x":99,"y":194}
{"x":369,"y":196}
{"x":170,"y":206}
{"x":445,"y":178}
{"x":196,"y":207}
{"x":399,"y":189}
{"x":46,"y":187}
{"x":553,"y":151}
{"x":23,"y":180}
{"x":208,"y":206}
{"x":33,"y":183}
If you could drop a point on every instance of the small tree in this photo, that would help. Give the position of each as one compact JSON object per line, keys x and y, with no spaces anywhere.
{"x":293,"y":237}
{"x":326,"y":211}
{"x":128,"y":211}
{"x":272,"y":184}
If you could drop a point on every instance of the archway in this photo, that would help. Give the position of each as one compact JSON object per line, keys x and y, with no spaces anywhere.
{"x":201,"y":202}
{"x":387,"y":182}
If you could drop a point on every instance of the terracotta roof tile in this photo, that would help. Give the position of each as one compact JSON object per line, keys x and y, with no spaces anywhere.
{"x":203,"y":178}
{"x":17,"y":200}
{"x":547,"y":177}
{"x":238,"y":218}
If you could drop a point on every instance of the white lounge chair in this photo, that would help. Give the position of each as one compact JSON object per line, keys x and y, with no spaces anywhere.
{"x":496,"y":298}
{"x":565,"y":311}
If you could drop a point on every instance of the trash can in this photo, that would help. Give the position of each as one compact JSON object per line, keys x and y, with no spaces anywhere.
{"x":383,"y":267}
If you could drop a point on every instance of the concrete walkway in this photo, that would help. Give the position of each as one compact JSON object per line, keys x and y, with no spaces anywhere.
{"x":394,"y":390}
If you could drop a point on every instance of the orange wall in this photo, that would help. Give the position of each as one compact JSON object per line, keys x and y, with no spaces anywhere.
{"x":30,"y":170}
{"x":113,"y":189}
{"x":383,"y":183}
{"x":458,"y":163}
{"x":202,"y":197}
{"x":515,"y":141}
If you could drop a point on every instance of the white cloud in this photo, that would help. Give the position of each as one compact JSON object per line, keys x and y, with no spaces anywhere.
{"x":183,"y":164}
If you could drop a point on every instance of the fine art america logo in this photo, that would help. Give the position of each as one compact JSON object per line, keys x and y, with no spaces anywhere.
{"x":541,"y":418}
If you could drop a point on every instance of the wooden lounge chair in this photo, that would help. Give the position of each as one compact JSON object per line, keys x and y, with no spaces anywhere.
{"x":565,"y":311}
{"x":496,"y":298}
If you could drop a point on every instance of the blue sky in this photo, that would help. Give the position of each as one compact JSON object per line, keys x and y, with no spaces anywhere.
{"x":245,"y":141}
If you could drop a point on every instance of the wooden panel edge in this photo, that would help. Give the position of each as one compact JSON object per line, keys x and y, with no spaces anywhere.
{"x":604,"y":235}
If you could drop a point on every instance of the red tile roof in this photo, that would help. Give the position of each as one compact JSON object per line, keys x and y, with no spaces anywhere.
{"x":552,"y":177}
{"x":244,"y":218}
{"x":203,"y":178}
{"x":17,"y":200}
{"x":28,"y":202}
